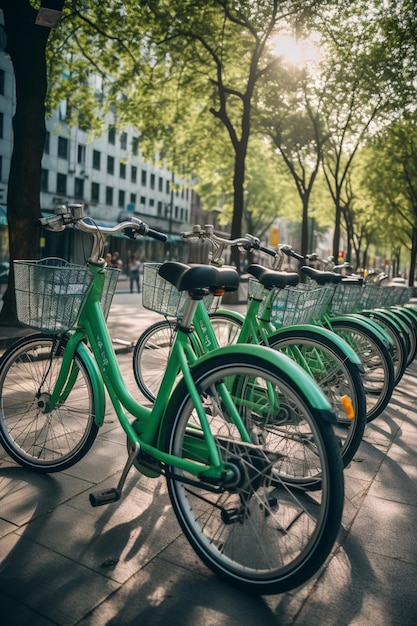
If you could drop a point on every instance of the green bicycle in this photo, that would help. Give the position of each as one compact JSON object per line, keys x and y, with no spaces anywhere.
{"x":239,"y":438}
{"x":322,"y":354}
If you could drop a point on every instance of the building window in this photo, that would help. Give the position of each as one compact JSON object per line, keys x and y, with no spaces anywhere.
{"x":143,"y":178}
{"x":132,"y":198}
{"x":44,"y":180}
{"x":121,"y":198}
{"x":61,"y":184}
{"x":81,"y":154}
{"x":122,"y":170}
{"x":47,"y":141}
{"x":135,"y":145}
{"x":96,"y":159}
{"x":1,"y":125}
{"x":143,"y":200}
{"x":95,"y":192}
{"x":159,"y":208}
{"x":167,"y":187}
{"x":110,"y":165}
{"x":2,"y":82}
{"x":79,"y":188}
{"x":160,"y":184}
{"x":134,"y":174}
{"x":63,"y":147}
{"x":112,"y":135}
{"x":109,"y":195}
{"x":123,"y":141}
{"x":152,"y":181}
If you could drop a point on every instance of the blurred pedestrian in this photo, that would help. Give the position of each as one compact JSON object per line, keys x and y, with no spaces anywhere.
{"x":116,"y":261}
{"x":133,"y":269}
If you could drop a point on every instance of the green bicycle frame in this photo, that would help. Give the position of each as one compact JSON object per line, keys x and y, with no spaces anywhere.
{"x":257,"y":330}
{"x":91,"y":340}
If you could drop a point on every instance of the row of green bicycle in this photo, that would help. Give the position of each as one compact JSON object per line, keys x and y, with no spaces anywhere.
{"x":242,"y":434}
{"x":330,"y":326}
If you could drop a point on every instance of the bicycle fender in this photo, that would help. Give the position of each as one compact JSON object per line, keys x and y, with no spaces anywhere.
{"x":291,"y":372}
{"x":365,"y":322}
{"x":96,"y":381}
{"x":322,"y":332}
{"x":238,"y":316}
{"x":385,"y":314}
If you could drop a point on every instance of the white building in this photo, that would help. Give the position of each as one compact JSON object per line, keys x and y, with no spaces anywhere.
{"x":106,"y":173}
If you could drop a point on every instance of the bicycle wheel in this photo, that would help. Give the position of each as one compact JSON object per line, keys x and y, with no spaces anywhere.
{"x":409,"y":317}
{"x":267,"y":532}
{"x":378,"y":378}
{"x":398,"y":339}
{"x":35,"y":438}
{"x":153,"y":347}
{"x":338,"y":377}
{"x":150,"y":357}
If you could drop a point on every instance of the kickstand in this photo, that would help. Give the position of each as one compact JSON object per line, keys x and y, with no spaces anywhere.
{"x":114,"y":494}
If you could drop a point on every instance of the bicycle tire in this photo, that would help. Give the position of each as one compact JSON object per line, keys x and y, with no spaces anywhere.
{"x":378,"y":378}
{"x":44,"y":441}
{"x":398,"y":338}
{"x":337,"y":377}
{"x":266,"y":534}
{"x":153,"y":347}
{"x":408,"y":315}
{"x":150,"y":357}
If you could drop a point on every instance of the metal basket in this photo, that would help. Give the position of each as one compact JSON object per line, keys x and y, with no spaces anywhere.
{"x":372,"y":296}
{"x":160,"y":296}
{"x":49,"y":293}
{"x":110,"y":282}
{"x":300,"y":305}
{"x":346,"y":298}
{"x":396,"y":295}
{"x":255,"y":290}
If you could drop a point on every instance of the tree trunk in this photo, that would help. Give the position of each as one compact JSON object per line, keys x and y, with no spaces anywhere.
{"x":26,"y":44}
{"x":336,"y":234}
{"x":238,"y":188}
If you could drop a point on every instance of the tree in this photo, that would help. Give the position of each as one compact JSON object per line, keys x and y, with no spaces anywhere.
{"x":393,"y":183}
{"x":197,"y":64}
{"x":26,"y":44}
{"x":291,"y":117}
{"x":372,"y":62}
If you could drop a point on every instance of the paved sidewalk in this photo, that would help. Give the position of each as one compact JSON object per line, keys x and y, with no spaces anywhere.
{"x":63,"y":562}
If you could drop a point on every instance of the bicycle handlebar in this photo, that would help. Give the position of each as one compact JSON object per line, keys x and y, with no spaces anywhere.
{"x":247,"y":242}
{"x":73,"y":214}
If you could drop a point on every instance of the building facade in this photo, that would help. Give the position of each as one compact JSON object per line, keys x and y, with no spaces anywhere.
{"x":107,"y":174}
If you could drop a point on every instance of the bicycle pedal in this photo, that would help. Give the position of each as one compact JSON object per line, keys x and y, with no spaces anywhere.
{"x":104,"y":497}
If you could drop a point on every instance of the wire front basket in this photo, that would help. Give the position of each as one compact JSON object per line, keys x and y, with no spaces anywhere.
{"x":110,"y":283}
{"x":50,"y":292}
{"x":300,"y":305}
{"x":346,"y":298}
{"x":376,"y":296}
{"x":160,"y":296}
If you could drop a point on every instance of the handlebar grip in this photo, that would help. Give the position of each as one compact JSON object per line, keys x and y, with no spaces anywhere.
{"x":295,"y":255}
{"x":267,"y":251}
{"x":54,"y":222}
{"x":157,"y":235}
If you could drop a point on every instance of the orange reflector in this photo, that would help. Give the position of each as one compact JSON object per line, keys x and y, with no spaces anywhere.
{"x":347,"y":405}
